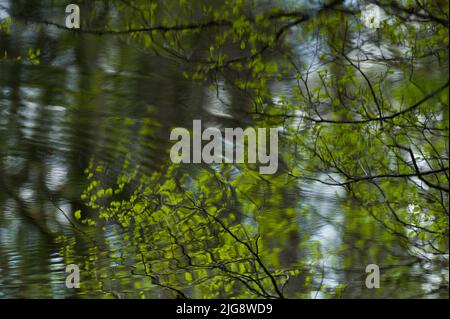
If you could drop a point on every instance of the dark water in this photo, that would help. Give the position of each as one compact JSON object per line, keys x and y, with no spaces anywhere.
{"x":91,"y":98}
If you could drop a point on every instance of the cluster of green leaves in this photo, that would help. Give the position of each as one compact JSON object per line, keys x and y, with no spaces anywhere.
{"x":196,"y":234}
{"x":378,"y":128}
{"x":4,"y":25}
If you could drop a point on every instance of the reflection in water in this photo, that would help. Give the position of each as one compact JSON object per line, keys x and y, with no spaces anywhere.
{"x":103,"y":99}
